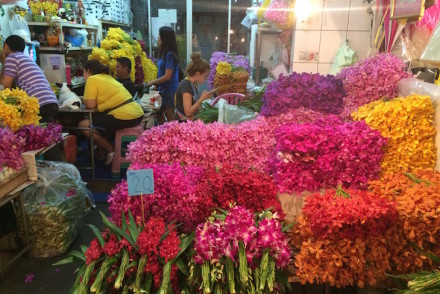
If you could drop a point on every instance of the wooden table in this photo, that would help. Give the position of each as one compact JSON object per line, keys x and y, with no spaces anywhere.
{"x":89,"y":113}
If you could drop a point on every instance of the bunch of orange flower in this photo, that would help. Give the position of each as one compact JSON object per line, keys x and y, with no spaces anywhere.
{"x":418,"y":203}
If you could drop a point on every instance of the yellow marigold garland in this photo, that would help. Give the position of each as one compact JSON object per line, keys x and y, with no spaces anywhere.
{"x":223,"y":67}
{"x":17,"y":109}
{"x":407,"y":123}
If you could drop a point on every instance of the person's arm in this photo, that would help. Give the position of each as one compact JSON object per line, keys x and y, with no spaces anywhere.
{"x":9,"y":72}
{"x":191,"y":109}
{"x":6,"y":81}
{"x":163,"y":79}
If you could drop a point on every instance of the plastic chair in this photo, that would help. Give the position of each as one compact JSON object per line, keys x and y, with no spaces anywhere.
{"x":232,"y":98}
{"x":123,"y":138}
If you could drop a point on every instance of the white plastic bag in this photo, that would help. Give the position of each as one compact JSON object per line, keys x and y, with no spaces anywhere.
{"x":19,"y":27}
{"x":83,"y":33}
{"x":432,"y":50}
{"x":411,"y":86}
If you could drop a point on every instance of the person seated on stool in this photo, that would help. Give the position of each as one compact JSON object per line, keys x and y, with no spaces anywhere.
{"x":123,"y":69}
{"x":116,"y":108}
{"x":188,"y":99}
{"x":28,"y":76}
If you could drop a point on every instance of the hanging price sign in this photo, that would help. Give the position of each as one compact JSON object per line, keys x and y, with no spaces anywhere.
{"x":140,"y":182}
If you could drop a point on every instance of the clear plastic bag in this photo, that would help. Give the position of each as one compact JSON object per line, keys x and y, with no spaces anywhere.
{"x":410,"y":86}
{"x":432,"y":50}
{"x":233,"y":114}
{"x":18,"y":26}
{"x":54,"y":207}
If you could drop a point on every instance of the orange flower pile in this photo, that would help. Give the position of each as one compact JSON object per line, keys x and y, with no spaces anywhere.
{"x":418,"y":204}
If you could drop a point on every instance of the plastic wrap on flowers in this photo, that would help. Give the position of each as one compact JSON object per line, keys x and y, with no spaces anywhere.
{"x":371,"y":79}
{"x":238,"y":61}
{"x":417,"y":197}
{"x":344,"y":262}
{"x":248,"y":188}
{"x":119,"y":44}
{"x":250,"y":250}
{"x":175,"y":197}
{"x":246,"y":145}
{"x":407,"y":123}
{"x":338,"y":214}
{"x":314,"y":91}
{"x":308,"y":157}
{"x":17,"y":109}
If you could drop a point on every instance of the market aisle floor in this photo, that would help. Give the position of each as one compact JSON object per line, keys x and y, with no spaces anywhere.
{"x":50,"y":279}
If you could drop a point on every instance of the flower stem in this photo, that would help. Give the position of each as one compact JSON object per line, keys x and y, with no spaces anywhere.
{"x":105,"y":267}
{"x":148,"y":283}
{"x":264,"y":267}
{"x":122,"y":268}
{"x":340,"y":192}
{"x":206,"y":277}
{"x":243,"y":266}
{"x":271,"y":274}
{"x":166,"y":277}
{"x":83,"y":287}
{"x":230,"y":271}
{"x":140,"y":274}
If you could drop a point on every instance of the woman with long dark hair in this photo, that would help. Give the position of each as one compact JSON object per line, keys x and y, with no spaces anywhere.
{"x":116,"y":108}
{"x":168,"y":73}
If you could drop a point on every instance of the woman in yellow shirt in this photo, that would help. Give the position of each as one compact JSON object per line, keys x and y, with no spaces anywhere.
{"x":116,"y":108}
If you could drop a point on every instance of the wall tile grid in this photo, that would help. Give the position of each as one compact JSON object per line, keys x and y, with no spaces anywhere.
{"x":317,"y":39}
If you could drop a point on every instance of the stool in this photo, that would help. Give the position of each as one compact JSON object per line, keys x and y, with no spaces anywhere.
{"x":123,"y":138}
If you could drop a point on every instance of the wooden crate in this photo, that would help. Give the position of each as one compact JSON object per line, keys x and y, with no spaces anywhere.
{"x":13,"y":182}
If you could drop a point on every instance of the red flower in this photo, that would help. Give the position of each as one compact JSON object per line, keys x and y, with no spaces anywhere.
{"x":111,"y":247}
{"x":94,"y":251}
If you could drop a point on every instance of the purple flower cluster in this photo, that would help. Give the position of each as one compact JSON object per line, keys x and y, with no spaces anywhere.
{"x":234,"y":60}
{"x":247,"y":145}
{"x":11,"y":148}
{"x":326,"y":153}
{"x":371,"y":79}
{"x":218,"y":238}
{"x":175,"y":197}
{"x":37,"y":137}
{"x":313,"y":91}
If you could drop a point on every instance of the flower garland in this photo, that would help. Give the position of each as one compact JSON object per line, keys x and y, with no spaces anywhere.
{"x":308,"y":157}
{"x":351,"y":214}
{"x":132,"y":257}
{"x":248,"y":188}
{"x":17,"y":109}
{"x":119,"y":44}
{"x":247,"y":145}
{"x":39,"y":136}
{"x":175,"y":197}
{"x":314,"y":91}
{"x":407,"y":123}
{"x":249,"y":250}
{"x":371,"y":79}
{"x":11,"y":147}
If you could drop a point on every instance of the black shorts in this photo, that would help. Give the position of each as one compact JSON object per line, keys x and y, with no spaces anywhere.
{"x":48,"y":113}
{"x":106,"y":124}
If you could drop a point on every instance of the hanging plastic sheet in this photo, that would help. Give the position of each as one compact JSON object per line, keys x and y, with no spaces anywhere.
{"x":345,"y":56}
{"x":432,"y":50}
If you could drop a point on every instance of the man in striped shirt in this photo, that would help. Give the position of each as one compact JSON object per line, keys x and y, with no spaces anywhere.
{"x":28,"y":76}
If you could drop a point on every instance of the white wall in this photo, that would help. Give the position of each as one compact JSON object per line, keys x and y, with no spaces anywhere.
{"x":330,"y":24}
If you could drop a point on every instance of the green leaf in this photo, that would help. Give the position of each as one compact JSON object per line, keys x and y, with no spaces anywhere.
{"x":66,"y":260}
{"x":98,"y":234}
{"x":123,"y":221}
{"x":182,"y":267}
{"x":78,"y":255}
{"x":287,"y":227}
{"x":132,"y":227}
{"x":420,"y":251}
{"x":185,"y":243}
{"x":117,"y":231}
{"x":283,"y":279}
{"x":83,"y":249}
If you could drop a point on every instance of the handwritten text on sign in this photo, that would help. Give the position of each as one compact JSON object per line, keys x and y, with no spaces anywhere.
{"x":140,"y":182}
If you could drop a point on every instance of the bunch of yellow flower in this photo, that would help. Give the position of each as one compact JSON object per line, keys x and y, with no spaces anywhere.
{"x":17,"y":109}
{"x":50,"y":7}
{"x":223,"y":67}
{"x":119,"y":44}
{"x":263,"y":8}
{"x":407,"y":123}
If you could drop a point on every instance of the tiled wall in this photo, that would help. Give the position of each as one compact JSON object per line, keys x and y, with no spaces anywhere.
{"x":327,"y":28}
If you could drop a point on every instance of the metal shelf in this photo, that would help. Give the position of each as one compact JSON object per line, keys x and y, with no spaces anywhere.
{"x":61,"y":23}
{"x":116,"y":24}
{"x":63,"y":49}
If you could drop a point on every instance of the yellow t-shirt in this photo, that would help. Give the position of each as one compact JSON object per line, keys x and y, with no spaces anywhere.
{"x":109,"y":93}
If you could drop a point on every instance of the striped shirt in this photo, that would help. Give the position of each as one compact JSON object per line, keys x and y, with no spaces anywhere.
{"x":29,"y":77}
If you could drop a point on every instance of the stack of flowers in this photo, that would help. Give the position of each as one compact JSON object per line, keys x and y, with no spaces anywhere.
{"x":252,"y":250}
{"x":175,"y":197}
{"x":371,"y":79}
{"x":407,"y":123}
{"x":417,"y":197}
{"x":119,"y":44}
{"x":230,"y":79}
{"x":249,"y":188}
{"x":11,"y":147}
{"x":343,"y":262}
{"x":39,"y":136}
{"x":246,"y":145}
{"x":280,"y":13}
{"x":308,"y":157}
{"x":130,"y":259}
{"x":17,"y":109}
{"x":314,"y":91}
{"x":239,"y":62}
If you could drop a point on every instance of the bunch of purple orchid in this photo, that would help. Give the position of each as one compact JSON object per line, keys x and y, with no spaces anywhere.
{"x":234,"y":60}
{"x":250,"y":249}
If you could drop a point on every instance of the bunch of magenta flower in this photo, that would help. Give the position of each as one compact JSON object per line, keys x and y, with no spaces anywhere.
{"x":133,"y":258}
{"x":238,"y":252}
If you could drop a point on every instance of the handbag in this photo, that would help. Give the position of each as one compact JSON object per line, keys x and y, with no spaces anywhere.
{"x":119,"y":105}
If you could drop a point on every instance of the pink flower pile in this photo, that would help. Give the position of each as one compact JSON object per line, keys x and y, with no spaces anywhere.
{"x":278,"y":12}
{"x":371,"y":79}
{"x":246,"y":145}
{"x":313,"y":91}
{"x":174,"y":199}
{"x":215,"y":239}
{"x":40,"y":136}
{"x":11,"y":147}
{"x":309,"y":157}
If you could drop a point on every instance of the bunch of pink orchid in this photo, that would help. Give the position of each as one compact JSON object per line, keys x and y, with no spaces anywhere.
{"x":371,"y":79}
{"x":11,"y":147}
{"x":326,"y":153}
{"x":247,"y":249}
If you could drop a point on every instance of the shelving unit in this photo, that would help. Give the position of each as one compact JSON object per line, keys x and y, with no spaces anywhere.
{"x":260,"y":33}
